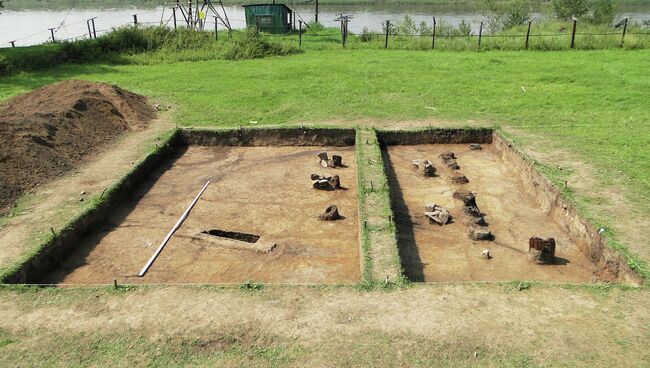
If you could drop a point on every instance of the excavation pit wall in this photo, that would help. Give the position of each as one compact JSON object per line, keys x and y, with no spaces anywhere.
{"x":77,"y":255}
{"x":444,"y":253}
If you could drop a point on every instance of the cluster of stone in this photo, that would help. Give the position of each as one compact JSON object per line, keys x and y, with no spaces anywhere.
{"x":424,"y":167}
{"x":321,"y":182}
{"x":331,"y":214}
{"x":459,"y":179}
{"x":334,"y":162}
{"x":437,"y":214}
{"x":541,"y":251}
{"x":470,"y":207}
{"x":476,"y":219}
{"x":449,"y":159}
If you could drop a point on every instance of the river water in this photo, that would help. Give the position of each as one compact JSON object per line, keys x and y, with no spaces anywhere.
{"x":29,"y":24}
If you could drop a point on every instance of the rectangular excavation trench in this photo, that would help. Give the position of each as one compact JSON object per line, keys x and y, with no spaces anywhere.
{"x":517,"y":203}
{"x":257,"y":220}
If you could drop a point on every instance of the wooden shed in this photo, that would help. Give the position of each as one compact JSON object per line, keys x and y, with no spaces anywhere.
{"x":272,"y":18}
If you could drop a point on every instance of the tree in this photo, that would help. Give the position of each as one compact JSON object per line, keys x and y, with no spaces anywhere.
{"x":565,"y":9}
{"x":424,"y":29}
{"x":502,"y":15}
{"x":406,"y":26}
{"x":604,"y":12}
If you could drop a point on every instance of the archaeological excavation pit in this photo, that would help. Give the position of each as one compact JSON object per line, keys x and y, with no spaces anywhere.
{"x":258,"y":219}
{"x":483,"y":213}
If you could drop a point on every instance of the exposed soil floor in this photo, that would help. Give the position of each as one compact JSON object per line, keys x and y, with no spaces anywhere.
{"x":431,"y":252}
{"x":263,"y":191}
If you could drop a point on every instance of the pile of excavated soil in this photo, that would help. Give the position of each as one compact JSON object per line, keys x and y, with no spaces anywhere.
{"x":50,"y":131}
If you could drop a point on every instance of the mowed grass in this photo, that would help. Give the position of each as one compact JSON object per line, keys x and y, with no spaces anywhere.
{"x":591,"y":104}
{"x":595,"y":103}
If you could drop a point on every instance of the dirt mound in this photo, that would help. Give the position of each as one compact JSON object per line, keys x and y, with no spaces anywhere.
{"x":49,"y":131}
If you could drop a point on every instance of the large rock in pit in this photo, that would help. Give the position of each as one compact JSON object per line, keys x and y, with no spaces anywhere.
{"x":424,"y":167}
{"x":331,"y":214}
{"x":325,"y":182}
{"x":449,"y":159}
{"x":541,"y":251}
{"x":437,"y":214}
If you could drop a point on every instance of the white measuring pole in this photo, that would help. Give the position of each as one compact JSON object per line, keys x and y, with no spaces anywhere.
{"x":173,"y":230}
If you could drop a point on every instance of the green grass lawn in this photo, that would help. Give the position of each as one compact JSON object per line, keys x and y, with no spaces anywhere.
{"x":592,"y":103}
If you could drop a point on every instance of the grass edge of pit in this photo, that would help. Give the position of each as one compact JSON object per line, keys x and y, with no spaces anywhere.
{"x":368,"y":151}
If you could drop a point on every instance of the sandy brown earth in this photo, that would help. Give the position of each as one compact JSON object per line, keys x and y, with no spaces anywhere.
{"x":445,"y":253}
{"x":264,"y":191}
{"x":50,"y":131}
{"x":426,"y":325}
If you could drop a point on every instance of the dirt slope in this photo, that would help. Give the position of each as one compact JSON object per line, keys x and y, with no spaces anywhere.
{"x":51,"y":130}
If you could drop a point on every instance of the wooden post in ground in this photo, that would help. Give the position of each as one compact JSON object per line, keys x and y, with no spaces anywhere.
{"x":94,"y":30}
{"x":300,"y":33}
{"x":433,"y":36}
{"x":52,"y":33}
{"x":480,"y":34}
{"x":90,"y":31}
{"x":573,"y":33}
{"x":135,"y":19}
{"x":528,"y":33}
{"x":316,"y":15}
{"x":13,"y":43}
{"x":387,"y":29}
{"x":174,"y":14}
{"x":216,"y":31}
{"x":624,"y":31}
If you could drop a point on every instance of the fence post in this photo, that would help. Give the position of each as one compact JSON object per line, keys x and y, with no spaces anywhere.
{"x":573,"y":33}
{"x":345,"y":32}
{"x":624,"y":31}
{"x":174,"y":13}
{"x":94,"y":30}
{"x":13,"y":43}
{"x":300,"y":33}
{"x":387,"y":29}
{"x":433,"y":37}
{"x":135,"y":19}
{"x":90,"y":31}
{"x":480,"y":34}
{"x":528,"y":33}
{"x":52,"y":33}
{"x":216,"y":31}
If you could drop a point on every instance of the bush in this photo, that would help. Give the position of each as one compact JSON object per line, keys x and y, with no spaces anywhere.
{"x":170,"y":44}
{"x":604,"y":12}
{"x":565,"y":9}
{"x":502,"y":15}
{"x":313,"y":26}
{"x":424,"y":29}
{"x":250,"y":45}
{"x":406,"y":26}
{"x":463,"y":29}
{"x":365,"y":35}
